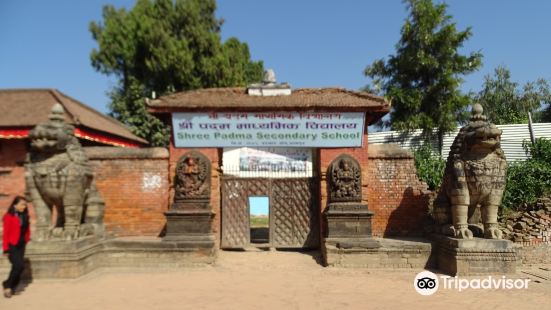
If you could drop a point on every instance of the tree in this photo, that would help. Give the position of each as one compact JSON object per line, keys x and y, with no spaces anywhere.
{"x":505,"y":103}
{"x":165,"y":46}
{"x":422,"y":79}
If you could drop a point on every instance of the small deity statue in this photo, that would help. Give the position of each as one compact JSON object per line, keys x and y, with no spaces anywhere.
{"x":345,"y":179}
{"x":192,"y":177}
{"x":345,"y":176}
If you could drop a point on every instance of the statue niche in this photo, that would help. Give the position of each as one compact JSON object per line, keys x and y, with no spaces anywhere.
{"x":348,"y":219}
{"x":59,"y":175}
{"x":189,"y":219}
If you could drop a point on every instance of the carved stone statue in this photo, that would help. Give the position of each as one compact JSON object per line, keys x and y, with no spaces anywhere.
{"x":345,"y":180}
{"x":189,"y":219}
{"x":474,"y":181}
{"x":192,"y":181}
{"x":58,"y":175}
{"x":348,"y":219}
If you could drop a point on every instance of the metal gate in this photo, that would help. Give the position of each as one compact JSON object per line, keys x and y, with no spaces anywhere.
{"x":294,"y":215}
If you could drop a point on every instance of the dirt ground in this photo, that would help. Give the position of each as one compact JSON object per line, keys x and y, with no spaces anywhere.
{"x":263,"y":280}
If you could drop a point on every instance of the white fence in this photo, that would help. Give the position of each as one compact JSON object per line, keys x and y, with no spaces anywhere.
{"x":511,"y":139}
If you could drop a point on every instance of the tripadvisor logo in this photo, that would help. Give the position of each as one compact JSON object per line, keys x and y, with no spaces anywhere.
{"x":427,"y":283}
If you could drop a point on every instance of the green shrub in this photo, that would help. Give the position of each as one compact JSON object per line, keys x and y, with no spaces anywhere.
{"x":430,"y":166}
{"x":531,"y":179}
{"x":540,"y":150}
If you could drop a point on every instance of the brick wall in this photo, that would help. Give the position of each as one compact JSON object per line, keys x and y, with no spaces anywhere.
{"x":390,"y":187}
{"x":395,"y":194}
{"x":137,"y":185}
{"x":12,"y":172}
{"x":133,"y":182}
{"x":12,"y":178}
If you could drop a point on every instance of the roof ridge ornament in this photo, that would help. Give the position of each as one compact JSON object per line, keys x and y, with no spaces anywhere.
{"x":269,"y":77}
{"x":269,"y":86}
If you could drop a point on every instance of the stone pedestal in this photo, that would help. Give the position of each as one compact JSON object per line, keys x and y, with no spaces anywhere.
{"x":378,"y":253}
{"x":468,"y":257}
{"x":61,"y":259}
{"x":348,"y":231}
{"x":348,"y":220}
{"x":73,"y":259}
{"x":193,"y":226}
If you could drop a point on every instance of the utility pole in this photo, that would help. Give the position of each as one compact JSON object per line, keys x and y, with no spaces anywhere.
{"x":531,"y":129}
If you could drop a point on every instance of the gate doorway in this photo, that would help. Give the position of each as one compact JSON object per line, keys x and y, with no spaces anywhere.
{"x":259,"y":220}
{"x":293,"y":212}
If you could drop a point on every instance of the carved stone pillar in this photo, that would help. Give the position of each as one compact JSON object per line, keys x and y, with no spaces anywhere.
{"x":190,"y":216}
{"x":348,"y":219}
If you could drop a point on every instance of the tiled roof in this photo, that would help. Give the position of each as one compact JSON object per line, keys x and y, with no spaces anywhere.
{"x":29,"y":107}
{"x":237,"y":98}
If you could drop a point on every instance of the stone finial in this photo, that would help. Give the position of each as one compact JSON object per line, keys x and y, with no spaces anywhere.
{"x":269,"y":86}
{"x":57,"y":113}
{"x":476,"y":112}
{"x":269,"y":77}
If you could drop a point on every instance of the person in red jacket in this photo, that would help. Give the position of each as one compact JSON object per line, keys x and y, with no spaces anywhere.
{"x":16,"y":235}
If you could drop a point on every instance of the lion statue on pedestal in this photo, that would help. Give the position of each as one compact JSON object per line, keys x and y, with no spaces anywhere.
{"x":474,"y":180}
{"x":58,"y":175}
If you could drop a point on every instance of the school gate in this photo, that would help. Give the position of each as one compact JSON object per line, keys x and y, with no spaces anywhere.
{"x":293,"y":213}
{"x":271,"y":142}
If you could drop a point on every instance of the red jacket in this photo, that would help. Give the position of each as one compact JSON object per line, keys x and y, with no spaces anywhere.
{"x":12,"y":231}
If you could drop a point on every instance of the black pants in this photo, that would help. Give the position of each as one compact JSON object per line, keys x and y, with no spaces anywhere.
{"x":17,"y":266}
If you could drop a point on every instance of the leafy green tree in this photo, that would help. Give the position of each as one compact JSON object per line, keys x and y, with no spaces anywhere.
{"x":129,"y":105}
{"x":505,"y":102}
{"x":165,"y":46}
{"x":430,"y":166}
{"x":422,"y":79}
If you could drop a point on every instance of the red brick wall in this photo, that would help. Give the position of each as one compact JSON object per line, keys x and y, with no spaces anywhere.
{"x":137,"y":185}
{"x":395,"y":194}
{"x":133,"y":182}
{"x":12,"y":172}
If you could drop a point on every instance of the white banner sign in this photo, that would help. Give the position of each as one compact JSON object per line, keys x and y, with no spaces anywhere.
{"x":268,"y":129}
{"x":267,"y":162}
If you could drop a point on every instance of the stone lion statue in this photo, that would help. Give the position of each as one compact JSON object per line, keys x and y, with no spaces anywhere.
{"x":474,"y":180}
{"x":58,"y":175}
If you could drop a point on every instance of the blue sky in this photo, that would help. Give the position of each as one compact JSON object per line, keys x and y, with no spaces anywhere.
{"x":259,"y":205}
{"x":313,"y":43}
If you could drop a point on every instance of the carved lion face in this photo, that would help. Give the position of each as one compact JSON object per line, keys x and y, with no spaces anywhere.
{"x":47,"y":138}
{"x":483,"y":138}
